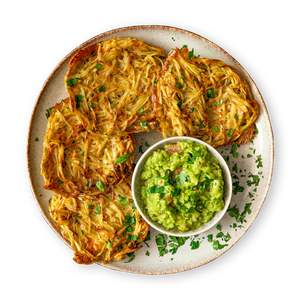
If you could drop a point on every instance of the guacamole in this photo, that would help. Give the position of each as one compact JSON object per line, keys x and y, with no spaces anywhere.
{"x":182,"y":186}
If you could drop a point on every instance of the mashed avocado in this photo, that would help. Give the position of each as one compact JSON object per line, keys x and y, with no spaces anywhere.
{"x":183,"y":186}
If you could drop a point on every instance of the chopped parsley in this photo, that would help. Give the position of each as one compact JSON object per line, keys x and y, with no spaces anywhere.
{"x":97,"y":209}
{"x":129,"y":222}
{"x":98,"y":66}
{"x":161,"y":242}
{"x":48,"y":112}
{"x":210,"y":93}
{"x":109,"y":245}
{"x":191,"y":54}
{"x":258,"y":161}
{"x":215,"y":129}
{"x":233,"y":150}
{"x":254,"y":180}
{"x":194,"y":244}
{"x":217,"y":245}
{"x":72,"y":81}
{"x":237,"y":188}
{"x":100,"y":186}
{"x":229,"y":132}
{"x":179,"y":85}
{"x":147,"y":253}
{"x":78,"y":99}
{"x":122,"y":200}
{"x":131,"y":257}
{"x":235,"y":213}
{"x":101,"y":89}
{"x":123,"y":158}
{"x":144,"y":124}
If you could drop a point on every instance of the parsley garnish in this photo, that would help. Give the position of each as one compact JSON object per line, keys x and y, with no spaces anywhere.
{"x":179,"y":85}
{"x":254,"y":180}
{"x":217,"y":246}
{"x":229,"y":132}
{"x":48,"y":112}
{"x":161,"y":242}
{"x":131,"y":257}
{"x":191,"y":54}
{"x":194,"y":244}
{"x":97,"y":209}
{"x":233,"y":150}
{"x":78,"y":99}
{"x":123,"y":200}
{"x":258,"y":161}
{"x":144,"y":124}
{"x":100,"y":186}
{"x":101,"y":89}
{"x":72,"y":81}
{"x":210,"y":93}
{"x":123,"y":158}
{"x":98,"y":66}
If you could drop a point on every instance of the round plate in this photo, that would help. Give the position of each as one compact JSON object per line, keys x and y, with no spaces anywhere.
{"x":251,"y":164}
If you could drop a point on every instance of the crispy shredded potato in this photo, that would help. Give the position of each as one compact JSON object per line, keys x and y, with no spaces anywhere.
{"x":115,"y":78}
{"x":204,"y":98}
{"x":101,"y":227}
{"x":76,"y":160}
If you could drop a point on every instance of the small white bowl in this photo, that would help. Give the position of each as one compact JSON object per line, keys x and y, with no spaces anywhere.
{"x":136,"y":187}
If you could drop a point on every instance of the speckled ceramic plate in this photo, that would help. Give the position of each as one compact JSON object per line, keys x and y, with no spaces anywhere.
{"x":251,"y":164}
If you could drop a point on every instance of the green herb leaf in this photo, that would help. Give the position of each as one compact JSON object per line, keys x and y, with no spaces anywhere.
{"x":258,"y":161}
{"x":101,"y":89}
{"x":161,"y":242}
{"x":122,"y":200}
{"x":179,"y":85}
{"x":78,"y":99}
{"x":144,"y":124}
{"x":194,"y":244}
{"x":229,"y":132}
{"x":233,"y":150}
{"x":209,"y":238}
{"x":175,"y":243}
{"x":98,"y":66}
{"x":131,"y":257}
{"x":217,"y":246}
{"x":48,"y":112}
{"x":216,"y":129}
{"x":100,"y":186}
{"x":109,"y":245}
{"x":210,"y":93}
{"x":97,"y":209}
{"x":133,"y":237}
{"x":72,"y":81}
{"x":147,"y":253}
{"x":123,"y":158}
{"x":191,"y":54}
{"x":254,"y":180}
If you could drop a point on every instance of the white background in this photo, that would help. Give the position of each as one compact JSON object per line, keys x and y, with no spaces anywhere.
{"x":262,"y":35}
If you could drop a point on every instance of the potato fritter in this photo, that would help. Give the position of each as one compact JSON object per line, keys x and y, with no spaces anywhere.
{"x":101,"y":227}
{"x":115,"y":77}
{"x":76,"y":160}
{"x":204,"y":98}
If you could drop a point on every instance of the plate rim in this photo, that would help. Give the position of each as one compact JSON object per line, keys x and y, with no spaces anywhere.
{"x":148,"y":27}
